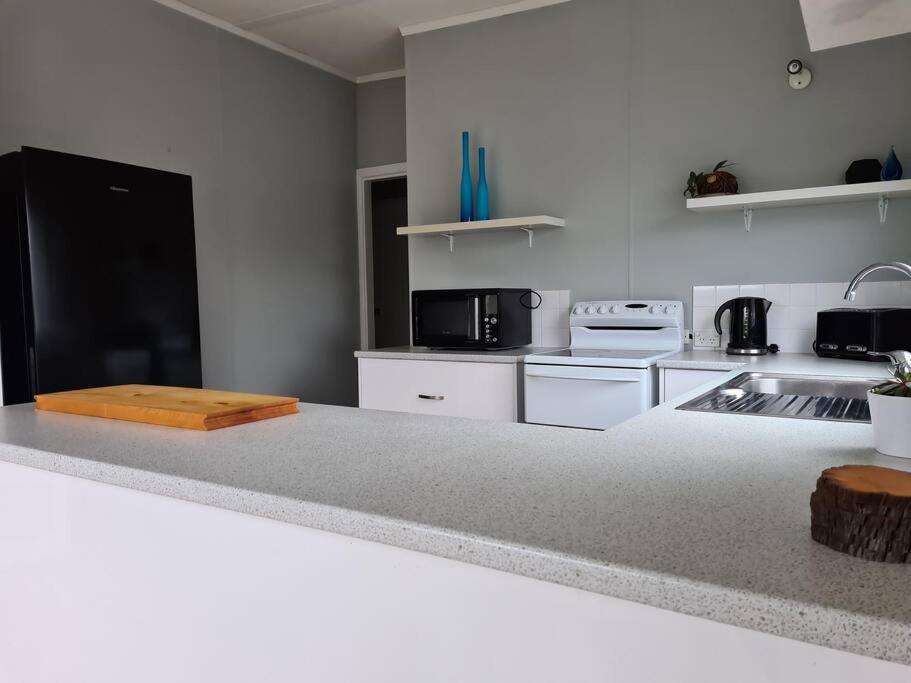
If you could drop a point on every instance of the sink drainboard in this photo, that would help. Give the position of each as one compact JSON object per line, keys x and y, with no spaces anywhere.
{"x":818,"y":401}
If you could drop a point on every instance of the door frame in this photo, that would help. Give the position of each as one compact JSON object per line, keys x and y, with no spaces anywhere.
{"x":365,"y":176}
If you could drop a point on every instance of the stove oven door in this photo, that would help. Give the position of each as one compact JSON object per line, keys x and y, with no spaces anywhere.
{"x":587,"y":397}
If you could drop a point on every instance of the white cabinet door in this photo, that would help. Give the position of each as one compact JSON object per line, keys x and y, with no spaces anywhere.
{"x":486,"y":391}
{"x":675,"y":382}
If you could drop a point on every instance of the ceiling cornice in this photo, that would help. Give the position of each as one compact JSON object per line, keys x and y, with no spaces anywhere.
{"x":382,"y":76}
{"x":259,"y":40}
{"x":287,"y":15}
{"x":481,"y":15}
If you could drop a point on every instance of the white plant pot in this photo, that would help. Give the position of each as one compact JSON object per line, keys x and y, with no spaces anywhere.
{"x":891,"y":416}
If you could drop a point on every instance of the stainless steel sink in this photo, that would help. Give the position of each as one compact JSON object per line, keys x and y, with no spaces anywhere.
{"x":804,"y":397}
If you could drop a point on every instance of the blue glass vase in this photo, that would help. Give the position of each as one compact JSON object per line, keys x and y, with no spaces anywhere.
{"x":483,"y":212}
{"x":467,"y":210}
{"x":892,"y":169}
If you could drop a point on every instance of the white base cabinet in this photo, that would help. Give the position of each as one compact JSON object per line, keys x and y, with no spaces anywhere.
{"x":674,"y":382}
{"x":484,"y":391}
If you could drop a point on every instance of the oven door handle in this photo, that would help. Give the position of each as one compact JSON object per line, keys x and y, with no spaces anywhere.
{"x":588,"y":379}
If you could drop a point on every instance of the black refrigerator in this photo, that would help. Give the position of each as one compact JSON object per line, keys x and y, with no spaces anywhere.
{"x":97,"y":276}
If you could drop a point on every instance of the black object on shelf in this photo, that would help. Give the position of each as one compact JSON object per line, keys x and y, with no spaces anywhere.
{"x":97,"y":275}
{"x":863,"y":171}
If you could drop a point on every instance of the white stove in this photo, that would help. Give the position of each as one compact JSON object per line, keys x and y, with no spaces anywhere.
{"x":609,"y":373}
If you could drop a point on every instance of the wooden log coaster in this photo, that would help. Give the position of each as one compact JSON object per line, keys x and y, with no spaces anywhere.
{"x":864,"y":511}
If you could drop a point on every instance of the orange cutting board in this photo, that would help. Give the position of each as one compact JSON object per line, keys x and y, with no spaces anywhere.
{"x":170,"y":406}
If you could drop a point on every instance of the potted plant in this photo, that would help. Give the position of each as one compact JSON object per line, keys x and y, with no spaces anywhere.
{"x":715,"y":181}
{"x":890,"y":408}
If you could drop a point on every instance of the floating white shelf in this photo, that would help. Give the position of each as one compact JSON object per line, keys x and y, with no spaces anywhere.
{"x":881,"y":191}
{"x":527,"y":224}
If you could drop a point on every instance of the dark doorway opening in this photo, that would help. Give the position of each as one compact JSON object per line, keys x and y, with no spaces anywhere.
{"x":389,"y":210}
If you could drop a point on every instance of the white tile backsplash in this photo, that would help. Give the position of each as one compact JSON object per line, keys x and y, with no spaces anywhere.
{"x":550,"y":321}
{"x":803,"y":295}
{"x":831,"y":294}
{"x":752,"y":290}
{"x":704,"y":317}
{"x":879,"y":294}
{"x":703,"y":296}
{"x":792,"y":318}
{"x":725,"y":293}
{"x":779,"y":295}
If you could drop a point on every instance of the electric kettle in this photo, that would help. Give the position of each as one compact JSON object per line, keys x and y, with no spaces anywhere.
{"x":748,"y":326}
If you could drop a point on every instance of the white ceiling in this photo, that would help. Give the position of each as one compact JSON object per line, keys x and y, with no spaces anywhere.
{"x":831,"y":23}
{"x":355,"y":38}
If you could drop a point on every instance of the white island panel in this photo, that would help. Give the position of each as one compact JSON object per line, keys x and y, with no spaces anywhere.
{"x":101,"y":583}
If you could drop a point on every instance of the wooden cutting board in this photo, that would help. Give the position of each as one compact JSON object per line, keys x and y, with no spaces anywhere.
{"x":203,"y":409}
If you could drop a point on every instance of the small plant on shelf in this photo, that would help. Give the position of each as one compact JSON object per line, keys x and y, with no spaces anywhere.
{"x":716,"y":181}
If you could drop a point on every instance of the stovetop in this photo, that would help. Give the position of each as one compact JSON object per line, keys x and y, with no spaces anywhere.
{"x":606,"y":358}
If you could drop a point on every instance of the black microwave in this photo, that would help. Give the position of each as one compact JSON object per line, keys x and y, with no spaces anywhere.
{"x":472,"y":318}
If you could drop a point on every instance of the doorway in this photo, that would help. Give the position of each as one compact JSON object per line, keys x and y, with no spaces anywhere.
{"x":389,"y":211}
{"x":383,"y":257}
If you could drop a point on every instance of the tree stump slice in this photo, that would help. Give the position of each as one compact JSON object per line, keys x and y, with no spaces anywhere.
{"x":864,"y":511}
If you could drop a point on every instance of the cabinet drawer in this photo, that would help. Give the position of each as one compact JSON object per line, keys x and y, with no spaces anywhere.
{"x":485,"y":391}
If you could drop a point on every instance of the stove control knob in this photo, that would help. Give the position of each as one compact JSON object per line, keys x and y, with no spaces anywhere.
{"x":614,"y":309}
{"x":668,"y":310}
{"x":655,"y":310}
{"x":589,"y":310}
{"x":602,"y":309}
{"x":578,"y":310}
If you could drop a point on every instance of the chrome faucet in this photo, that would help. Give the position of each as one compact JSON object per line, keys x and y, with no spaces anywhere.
{"x":892,"y":265}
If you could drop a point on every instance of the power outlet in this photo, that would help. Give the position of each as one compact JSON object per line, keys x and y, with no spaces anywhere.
{"x":706,"y":339}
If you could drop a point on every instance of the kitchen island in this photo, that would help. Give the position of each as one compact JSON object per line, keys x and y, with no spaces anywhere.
{"x":705,"y":515}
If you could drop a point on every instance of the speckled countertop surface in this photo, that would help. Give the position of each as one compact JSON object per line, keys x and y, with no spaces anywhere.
{"x":703,"y":359}
{"x":702,"y":514}
{"x":421,"y":353}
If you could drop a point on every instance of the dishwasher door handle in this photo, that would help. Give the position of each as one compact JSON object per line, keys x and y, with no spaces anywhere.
{"x":428,"y":397}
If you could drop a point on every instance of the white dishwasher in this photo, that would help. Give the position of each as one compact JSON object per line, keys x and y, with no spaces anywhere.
{"x":609,"y":373}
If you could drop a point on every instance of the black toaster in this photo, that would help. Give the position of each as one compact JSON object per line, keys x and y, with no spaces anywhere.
{"x":853,"y":332}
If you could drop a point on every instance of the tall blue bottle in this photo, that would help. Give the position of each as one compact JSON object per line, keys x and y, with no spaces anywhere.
{"x":483,"y":212}
{"x":467,"y":212}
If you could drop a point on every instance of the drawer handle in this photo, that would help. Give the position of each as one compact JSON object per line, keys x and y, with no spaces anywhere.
{"x":428,"y":397}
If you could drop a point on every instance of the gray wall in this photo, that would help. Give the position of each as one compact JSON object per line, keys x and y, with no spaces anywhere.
{"x":381,"y":123}
{"x":596,"y":111}
{"x":268,"y":141}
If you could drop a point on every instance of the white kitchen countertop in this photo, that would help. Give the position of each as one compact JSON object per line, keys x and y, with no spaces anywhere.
{"x":469,"y":356}
{"x":800,"y":363}
{"x":703,"y":514}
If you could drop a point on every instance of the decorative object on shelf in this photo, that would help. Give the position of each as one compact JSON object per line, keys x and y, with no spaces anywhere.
{"x":892,"y":169}
{"x":890,"y":407}
{"x":799,"y":76}
{"x":863,"y":171}
{"x":483,"y":212}
{"x":467,"y":202}
{"x":863,"y":511}
{"x":715,"y":181}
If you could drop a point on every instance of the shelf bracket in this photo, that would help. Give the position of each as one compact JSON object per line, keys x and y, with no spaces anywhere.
{"x":747,"y":218}
{"x":883,"y":208}
{"x":531,"y":235}
{"x":451,"y":237}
